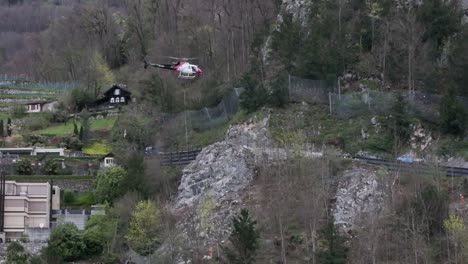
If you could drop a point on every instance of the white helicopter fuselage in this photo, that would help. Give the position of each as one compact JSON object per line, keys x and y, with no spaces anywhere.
{"x":185,"y":69}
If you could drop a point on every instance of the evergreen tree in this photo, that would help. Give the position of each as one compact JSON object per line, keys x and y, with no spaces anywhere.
{"x":80,"y":135}
{"x":452,"y":115}
{"x":399,"y":123}
{"x":334,"y":251}
{"x":75,"y":129}
{"x":2,"y":131}
{"x":85,"y":126}
{"x":320,"y":52}
{"x":279,"y":90}
{"x":9,"y":127}
{"x":287,"y":41}
{"x":244,"y":239}
{"x":254,"y":95}
{"x":441,"y":20}
{"x":458,"y":61}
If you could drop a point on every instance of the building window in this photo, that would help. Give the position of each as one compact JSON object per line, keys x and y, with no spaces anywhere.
{"x":112,"y":100}
{"x":109,"y":161}
{"x":117,"y":91}
{"x":117,"y":100}
{"x":122,"y":99}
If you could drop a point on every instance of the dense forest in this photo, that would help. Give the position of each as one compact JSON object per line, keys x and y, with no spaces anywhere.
{"x":398,"y":47}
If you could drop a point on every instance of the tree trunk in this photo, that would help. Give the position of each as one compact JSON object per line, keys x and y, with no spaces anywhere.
{"x":283,"y":246}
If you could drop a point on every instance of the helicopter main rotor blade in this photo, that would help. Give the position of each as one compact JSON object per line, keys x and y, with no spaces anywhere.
{"x":183,"y":59}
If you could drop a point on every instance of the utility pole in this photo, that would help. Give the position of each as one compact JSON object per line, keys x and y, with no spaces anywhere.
{"x":185,"y":121}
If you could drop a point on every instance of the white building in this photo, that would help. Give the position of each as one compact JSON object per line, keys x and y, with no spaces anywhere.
{"x":41,"y":106}
{"x":28,"y":207}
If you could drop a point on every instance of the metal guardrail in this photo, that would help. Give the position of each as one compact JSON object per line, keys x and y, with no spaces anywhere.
{"x":175,"y":158}
{"x":421,"y":167}
{"x":185,"y":157}
{"x":178,"y":158}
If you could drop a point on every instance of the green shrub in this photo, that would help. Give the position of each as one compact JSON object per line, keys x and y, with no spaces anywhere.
{"x":24,"y":167}
{"x":50,"y":167}
{"x":69,"y":197}
{"x":34,"y":139}
{"x":67,"y":243}
{"x":452,"y":115}
{"x":85,"y":199}
{"x":72,"y":142}
{"x":254,"y":95}
{"x":18,"y":111}
{"x":380,"y":143}
{"x":16,"y":254}
{"x":38,"y":121}
{"x":279,"y":90}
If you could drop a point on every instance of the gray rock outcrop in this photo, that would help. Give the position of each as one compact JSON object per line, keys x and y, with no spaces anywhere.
{"x":213,"y":184}
{"x":359,"y":194}
{"x":223,"y":168}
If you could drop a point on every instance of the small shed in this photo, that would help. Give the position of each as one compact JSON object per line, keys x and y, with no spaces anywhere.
{"x":107,"y":161}
{"x":41,"y":106}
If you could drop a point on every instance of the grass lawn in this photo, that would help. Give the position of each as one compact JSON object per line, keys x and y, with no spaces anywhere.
{"x":97,"y":148}
{"x":4,"y":116}
{"x":67,"y":128}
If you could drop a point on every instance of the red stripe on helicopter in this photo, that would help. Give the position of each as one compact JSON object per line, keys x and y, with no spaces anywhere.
{"x":179,"y":64}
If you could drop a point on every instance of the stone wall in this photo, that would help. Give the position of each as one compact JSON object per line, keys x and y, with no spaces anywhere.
{"x":76,"y":185}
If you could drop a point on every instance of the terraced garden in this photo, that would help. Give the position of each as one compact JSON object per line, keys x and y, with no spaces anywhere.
{"x":21,"y":91}
{"x":14,"y":93}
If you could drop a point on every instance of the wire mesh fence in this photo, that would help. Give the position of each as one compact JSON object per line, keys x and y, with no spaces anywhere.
{"x":25,"y":82}
{"x":197,"y":120}
{"x":311,"y":91}
{"x":367,"y":101}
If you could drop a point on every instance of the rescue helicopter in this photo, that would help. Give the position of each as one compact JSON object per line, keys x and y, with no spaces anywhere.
{"x":186,"y":70}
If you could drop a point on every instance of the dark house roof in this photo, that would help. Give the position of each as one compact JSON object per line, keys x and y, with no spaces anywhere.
{"x":42,"y":102}
{"x":124,"y":92}
{"x":122,"y":87}
{"x":110,"y":155}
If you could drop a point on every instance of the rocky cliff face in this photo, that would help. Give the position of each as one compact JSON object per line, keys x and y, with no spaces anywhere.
{"x":359,"y":194}
{"x":298,"y":8}
{"x":212,"y":186}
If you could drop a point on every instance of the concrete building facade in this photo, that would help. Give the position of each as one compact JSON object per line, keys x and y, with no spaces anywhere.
{"x":27,"y":207}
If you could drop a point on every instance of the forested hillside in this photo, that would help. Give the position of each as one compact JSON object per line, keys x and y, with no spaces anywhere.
{"x":269,"y":155}
{"x":101,"y":42}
